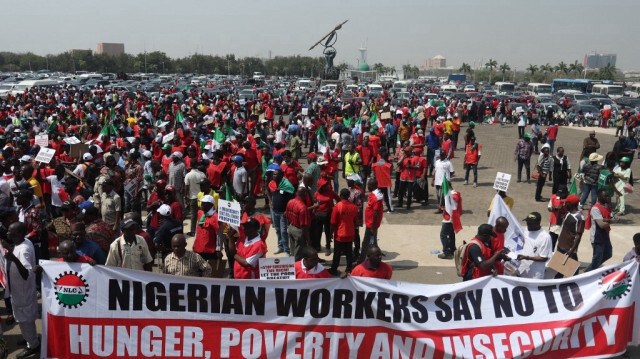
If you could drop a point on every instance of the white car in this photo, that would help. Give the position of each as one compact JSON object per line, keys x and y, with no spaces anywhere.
{"x":469,"y":88}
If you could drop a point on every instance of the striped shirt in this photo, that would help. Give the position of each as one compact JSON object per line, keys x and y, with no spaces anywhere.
{"x":191,"y":264}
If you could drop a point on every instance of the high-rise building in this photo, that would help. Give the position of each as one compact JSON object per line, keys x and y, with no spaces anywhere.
{"x":598,"y":61}
{"x":437,"y":62}
{"x":111,"y":49}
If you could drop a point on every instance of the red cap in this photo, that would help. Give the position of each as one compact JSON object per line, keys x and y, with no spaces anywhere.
{"x":312,"y":156}
{"x":572,"y":198}
{"x":322,"y":182}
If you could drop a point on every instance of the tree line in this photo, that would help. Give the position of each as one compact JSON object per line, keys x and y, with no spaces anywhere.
{"x":159,"y":62}
{"x":546,"y":72}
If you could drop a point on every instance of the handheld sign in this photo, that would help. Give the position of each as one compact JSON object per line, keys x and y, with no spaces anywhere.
{"x":385,"y":116}
{"x":502,"y":181}
{"x":168,"y":137}
{"x":229,"y":212}
{"x":277,"y":268}
{"x":305,"y":111}
{"x":42,"y":140}
{"x":45,"y":155}
{"x":72,"y":140}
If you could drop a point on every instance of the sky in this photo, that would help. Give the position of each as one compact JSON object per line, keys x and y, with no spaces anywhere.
{"x":395,"y":32}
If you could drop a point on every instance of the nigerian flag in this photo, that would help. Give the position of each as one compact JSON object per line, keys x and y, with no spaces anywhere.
{"x":179,"y":116}
{"x":347,"y":121}
{"x":322,"y":139}
{"x":112,"y":114}
{"x":375,"y":122}
{"x":218,"y":138}
{"x":573,"y":189}
{"x":228,"y":195}
{"x":449,"y":203}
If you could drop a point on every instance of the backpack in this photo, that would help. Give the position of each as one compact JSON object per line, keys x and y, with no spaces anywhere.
{"x":459,"y":257}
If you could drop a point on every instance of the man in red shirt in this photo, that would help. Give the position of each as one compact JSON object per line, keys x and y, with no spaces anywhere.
{"x":382,"y":171}
{"x":248,"y":251}
{"x":291,"y":168}
{"x":373,"y":267}
{"x":207,"y":230}
{"x":309,"y":267}
{"x":299,"y":218}
{"x":343,"y":218}
{"x":407,"y":176}
{"x":372,"y":218}
{"x":366,"y":152}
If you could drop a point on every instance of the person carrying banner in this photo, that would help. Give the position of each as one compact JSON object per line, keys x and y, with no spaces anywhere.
{"x":22,"y":282}
{"x":373,"y":266}
{"x":130,"y":250}
{"x":537,"y":248}
{"x":247,"y":251}
{"x":600,"y":213}
{"x":182,"y":262}
{"x":479,"y":260}
{"x":507,"y":200}
{"x":309,"y":267}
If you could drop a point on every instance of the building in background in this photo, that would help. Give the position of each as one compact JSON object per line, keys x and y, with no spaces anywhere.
{"x":111,"y":49}
{"x":437,"y":62}
{"x":598,"y":61}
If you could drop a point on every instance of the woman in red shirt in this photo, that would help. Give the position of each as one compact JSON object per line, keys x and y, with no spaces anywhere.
{"x":324,"y":197}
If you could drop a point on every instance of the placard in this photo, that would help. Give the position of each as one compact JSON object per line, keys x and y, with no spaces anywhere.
{"x":168,"y":137}
{"x":305,"y":111}
{"x":563,"y":264}
{"x":42,"y":140}
{"x":229,"y":212}
{"x":420,"y":116}
{"x":45,"y":155}
{"x":78,"y":149}
{"x":502,"y":181}
{"x":385,"y":116}
{"x":72,"y":140}
{"x":277,"y":268}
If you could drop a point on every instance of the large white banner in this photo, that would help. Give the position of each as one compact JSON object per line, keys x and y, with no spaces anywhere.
{"x":106,"y":312}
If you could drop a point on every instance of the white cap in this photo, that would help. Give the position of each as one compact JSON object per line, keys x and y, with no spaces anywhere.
{"x":146,"y":154}
{"x":177,"y":154}
{"x":87,"y":157}
{"x":25,"y":158}
{"x":164,"y":210}
{"x":207,"y":199}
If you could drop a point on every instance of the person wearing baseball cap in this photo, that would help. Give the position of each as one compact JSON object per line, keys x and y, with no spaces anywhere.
{"x":478,"y":261}
{"x":130,"y":250}
{"x":207,"y":230}
{"x":572,"y":228}
{"x":537,"y":248}
{"x":169,"y":228}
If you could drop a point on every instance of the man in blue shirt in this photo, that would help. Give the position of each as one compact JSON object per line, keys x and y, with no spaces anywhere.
{"x":84,"y":245}
{"x":390,"y":130}
{"x":433,"y":143}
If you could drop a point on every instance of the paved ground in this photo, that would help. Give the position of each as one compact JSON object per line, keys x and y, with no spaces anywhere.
{"x":408,"y":237}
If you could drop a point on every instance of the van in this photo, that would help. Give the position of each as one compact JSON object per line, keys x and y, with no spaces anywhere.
{"x":505,"y":88}
{"x":401,"y":86}
{"x":613,"y":91}
{"x":635,"y":90}
{"x":305,"y":84}
{"x":28,"y":84}
{"x":90,"y":77}
{"x":536,"y":89}
{"x":451,"y":88}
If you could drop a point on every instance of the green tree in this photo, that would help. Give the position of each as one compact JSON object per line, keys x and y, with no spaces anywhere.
{"x":562,"y":67}
{"x":546,"y":68}
{"x":607,"y":73}
{"x":504,"y":68}
{"x":491,"y":64}
{"x":576,"y":68}
{"x":465,"y":68}
{"x":532,"y":69}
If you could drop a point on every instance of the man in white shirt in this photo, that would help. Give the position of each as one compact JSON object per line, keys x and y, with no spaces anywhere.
{"x":192,"y":183}
{"x":537,"y":248}
{"x":443,"y":168}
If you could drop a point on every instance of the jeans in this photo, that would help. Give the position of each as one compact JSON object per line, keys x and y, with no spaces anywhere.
{"x":540,"y":185}
{"x":525,"y":163}
{"x":280,"y":225}
{"x":551,"y":143}
{"x":586,"y":189}
{"x":448,"y":238}
{"x":336,"y":181}
{"x":405,"y":186}
{"x":521,"y":131}
{"x":601,"y":253}
{"x":475,"y":173}
{"x":340,"y":249}
{"x":534,"y":142}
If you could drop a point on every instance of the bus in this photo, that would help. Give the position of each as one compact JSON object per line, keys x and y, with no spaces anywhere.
{"x":536,"y":89}
{"x":582,"y":85}
{"x":613,"y":91}
{"x":505,"y":88}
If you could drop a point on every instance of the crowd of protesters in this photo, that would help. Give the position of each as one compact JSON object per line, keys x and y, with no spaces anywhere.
{"x":146,"y":163}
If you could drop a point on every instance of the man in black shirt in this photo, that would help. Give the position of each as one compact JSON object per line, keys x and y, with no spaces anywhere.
{"x":169,"y":228}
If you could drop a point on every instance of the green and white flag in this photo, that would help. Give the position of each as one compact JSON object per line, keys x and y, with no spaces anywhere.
{"x":449,"y":203}
{"x":218,"y":139}
{"x":322,"y":139}
{"x":180,"y":119}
